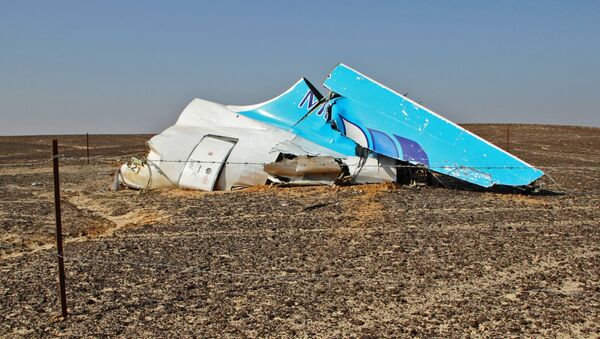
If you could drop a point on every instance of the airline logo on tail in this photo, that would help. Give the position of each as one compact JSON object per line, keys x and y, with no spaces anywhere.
{"x":310,"y":101}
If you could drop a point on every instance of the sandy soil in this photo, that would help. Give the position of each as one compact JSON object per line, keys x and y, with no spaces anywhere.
{"x":369,"y":261}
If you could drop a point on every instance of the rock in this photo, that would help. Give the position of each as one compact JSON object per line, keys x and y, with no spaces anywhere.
{"x":357,"y":322}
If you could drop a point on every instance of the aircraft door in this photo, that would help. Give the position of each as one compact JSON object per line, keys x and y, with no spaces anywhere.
{"x":204,"y":164}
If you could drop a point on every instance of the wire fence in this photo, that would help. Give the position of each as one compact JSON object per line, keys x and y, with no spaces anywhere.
{"x":380,"y":165}
{"x":283,"y":275}
{"x":441,"y":169}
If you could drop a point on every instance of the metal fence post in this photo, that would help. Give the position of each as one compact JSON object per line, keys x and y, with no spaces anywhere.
{"x":507,"y":137}
{"x":87,"y":147}
{"x":59,"y":244}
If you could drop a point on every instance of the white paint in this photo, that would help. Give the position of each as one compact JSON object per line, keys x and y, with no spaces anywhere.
{"x":375,"y":170}
{"x":203,"y":127}
{"x":203,"y":166}
{"x":355,"y":133}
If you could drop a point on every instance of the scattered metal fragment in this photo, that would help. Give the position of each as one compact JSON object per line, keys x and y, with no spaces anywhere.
{"x":315,"y":206}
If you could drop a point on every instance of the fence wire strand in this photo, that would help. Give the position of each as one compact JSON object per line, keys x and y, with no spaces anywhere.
{"x":379,"y":165}
{"x":414,"y":166}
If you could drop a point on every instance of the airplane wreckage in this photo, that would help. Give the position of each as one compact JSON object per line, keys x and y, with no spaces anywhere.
{"x":361,"y":132}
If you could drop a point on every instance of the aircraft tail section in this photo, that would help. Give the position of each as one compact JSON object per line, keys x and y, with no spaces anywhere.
{"x":391,"y":124}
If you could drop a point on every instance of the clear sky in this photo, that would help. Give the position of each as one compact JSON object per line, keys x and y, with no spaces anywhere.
{"x":131,"y":66}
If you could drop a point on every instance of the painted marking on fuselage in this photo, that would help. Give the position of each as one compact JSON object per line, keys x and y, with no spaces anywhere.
{"x":383,"y":144}
{"x":412,"y":151}
{"x":310,"y":101}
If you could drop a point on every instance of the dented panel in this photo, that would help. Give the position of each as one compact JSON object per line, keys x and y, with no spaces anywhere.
{"x":204,"y":164}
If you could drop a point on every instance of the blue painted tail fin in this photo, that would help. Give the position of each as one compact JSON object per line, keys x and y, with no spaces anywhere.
{"x":391,"y":124}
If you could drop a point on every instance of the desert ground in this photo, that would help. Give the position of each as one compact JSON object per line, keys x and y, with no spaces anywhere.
{"x":358,"y":261}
